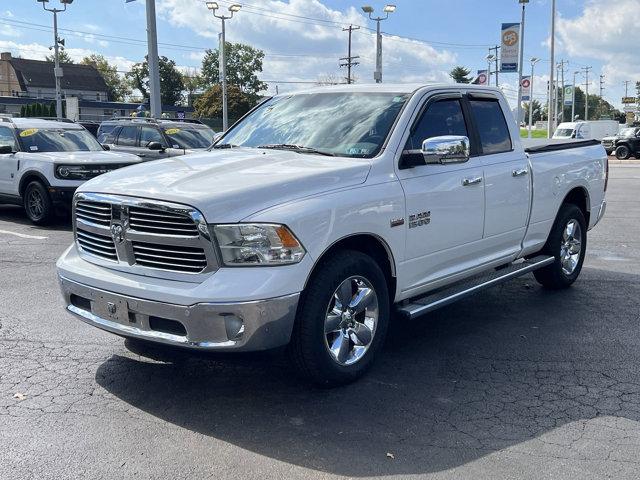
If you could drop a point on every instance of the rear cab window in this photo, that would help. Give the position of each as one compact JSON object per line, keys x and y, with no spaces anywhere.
{"x":491,"y":126}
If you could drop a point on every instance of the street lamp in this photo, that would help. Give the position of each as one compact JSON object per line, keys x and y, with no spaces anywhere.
{"x":573,"y":98}
{"x":534,"y":60}
{"x":57,"y":71}
{"x":213,"y":6}
{"x":551,"y":108}
{"x":521,"y":60}
{"x":389,"y":8}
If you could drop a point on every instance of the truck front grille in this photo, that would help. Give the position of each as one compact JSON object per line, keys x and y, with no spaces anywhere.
{"x":161,"y":222}
{"x":143,"y":236}
{"x":94,"y":212}
{"x":96,"y":244}
{"x":170,"y":257}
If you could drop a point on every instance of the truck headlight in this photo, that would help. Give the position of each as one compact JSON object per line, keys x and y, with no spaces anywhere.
{"x":250,"y":244}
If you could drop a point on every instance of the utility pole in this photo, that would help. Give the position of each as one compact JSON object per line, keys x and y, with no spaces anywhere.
{"x":495,"y":58}
{"x":377,"y":75}
{"x":573,"y":99}
{"x":155,"y":101}
{"x":561,"y":70}
{"x":534,"y":60}
{"x":521,"y":61}
{"x":626,"y":88}
{"x":550,"y":126}
{"x":349,"y":60}
{"x":586,"y":93}
{"x":57,"y":41}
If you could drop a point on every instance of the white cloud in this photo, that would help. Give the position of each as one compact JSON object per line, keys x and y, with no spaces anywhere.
{"x":605,"y":31}
{"x":7,"y":30}
{"x":287,"y":30}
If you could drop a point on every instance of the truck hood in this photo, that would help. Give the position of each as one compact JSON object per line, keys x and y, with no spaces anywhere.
{"x":229,"y":185}
{"x":75,"y":158}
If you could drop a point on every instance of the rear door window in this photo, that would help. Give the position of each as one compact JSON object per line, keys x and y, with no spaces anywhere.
{"x":491,"y":125}
{"x":128,"y":137}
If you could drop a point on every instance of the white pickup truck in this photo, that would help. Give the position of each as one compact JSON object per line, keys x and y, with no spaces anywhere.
{"x":322,"y":216}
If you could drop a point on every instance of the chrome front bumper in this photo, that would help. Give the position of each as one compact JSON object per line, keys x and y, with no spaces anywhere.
{"x":243,"y":326}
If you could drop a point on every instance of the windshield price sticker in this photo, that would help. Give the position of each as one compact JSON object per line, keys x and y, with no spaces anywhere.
{"x":28,"y":132}
{"x":171,"y":131}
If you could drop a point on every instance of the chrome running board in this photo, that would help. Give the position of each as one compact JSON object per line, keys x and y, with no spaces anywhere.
{"x":434,"y":300}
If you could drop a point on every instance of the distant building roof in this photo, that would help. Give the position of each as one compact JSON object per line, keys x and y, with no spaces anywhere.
{"x":39,"y":74}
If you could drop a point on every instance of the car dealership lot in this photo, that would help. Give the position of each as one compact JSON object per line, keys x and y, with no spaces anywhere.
{"x":517,"y":382}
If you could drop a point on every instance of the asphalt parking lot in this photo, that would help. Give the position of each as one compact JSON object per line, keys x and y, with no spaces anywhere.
{"x":517,"y":382}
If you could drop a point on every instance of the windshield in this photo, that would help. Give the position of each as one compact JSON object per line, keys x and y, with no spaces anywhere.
{"x":348,"y":124}
{"x":57,"y":140}
{"x":564,"y":132}
{"x":628,"y":132}
{"x":189,"y":136}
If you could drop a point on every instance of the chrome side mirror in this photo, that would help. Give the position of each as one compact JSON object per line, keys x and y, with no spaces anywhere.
{"x":446,"y":149}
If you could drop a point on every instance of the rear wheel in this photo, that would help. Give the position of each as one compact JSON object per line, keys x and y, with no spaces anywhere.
{"x":342,"y":320}
{"x":567,"y":242}
{"x":623,"y":152}
{"x":37,"y":203}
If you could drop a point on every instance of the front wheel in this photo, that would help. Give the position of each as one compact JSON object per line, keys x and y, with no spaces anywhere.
{"x":623,"y":152}
{"x":37,"y":203}
{"x":342,"y":320}
{"x":567,"y":242}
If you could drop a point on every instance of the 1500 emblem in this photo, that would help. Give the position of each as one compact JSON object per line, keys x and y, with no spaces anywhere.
{"x":419,"y":219}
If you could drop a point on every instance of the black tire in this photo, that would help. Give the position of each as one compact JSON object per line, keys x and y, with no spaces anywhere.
{"x":309,"y":347}
{"x":623,"y":152}
{"x":37,"y":203}
{"x":556,"y":275}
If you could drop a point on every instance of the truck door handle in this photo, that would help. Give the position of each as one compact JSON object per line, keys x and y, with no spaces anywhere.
{"x":471,"y":181}
{"x":520,"y":172}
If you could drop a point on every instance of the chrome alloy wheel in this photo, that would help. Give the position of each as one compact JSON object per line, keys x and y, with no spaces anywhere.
{"x":35,"y":203}
{"x":351,"y":320}
{"x":570,"y":246}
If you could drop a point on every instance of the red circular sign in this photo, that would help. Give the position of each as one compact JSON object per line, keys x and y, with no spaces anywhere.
{"x":526,"y":83}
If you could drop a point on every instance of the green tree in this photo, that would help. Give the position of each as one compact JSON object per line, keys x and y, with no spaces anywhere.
{"x":171,"y":85}
{"x":209,"y":104}
{"x":117,"y":87}
{"x":193,"y":83}
{"x":460,"y":74}
{"x":63,"y":56}
{"x":243,"y":65}
{"x":537,"y":112}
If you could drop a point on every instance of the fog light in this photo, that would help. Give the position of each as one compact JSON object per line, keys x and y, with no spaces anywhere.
{"x":233,"y":325}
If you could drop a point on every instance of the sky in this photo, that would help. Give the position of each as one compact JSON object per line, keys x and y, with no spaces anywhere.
{"x":304,"y":39}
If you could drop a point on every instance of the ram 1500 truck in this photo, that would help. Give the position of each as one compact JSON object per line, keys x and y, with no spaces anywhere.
{"x":322,"y":216}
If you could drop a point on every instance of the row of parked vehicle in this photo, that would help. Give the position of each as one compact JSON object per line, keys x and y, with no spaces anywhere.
{"x":43,"y":161}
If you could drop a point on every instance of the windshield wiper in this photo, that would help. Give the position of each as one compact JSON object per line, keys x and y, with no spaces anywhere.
{"x":295,"y":148}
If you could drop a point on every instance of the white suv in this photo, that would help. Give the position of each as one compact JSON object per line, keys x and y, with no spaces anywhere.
{"x":42,"y":162}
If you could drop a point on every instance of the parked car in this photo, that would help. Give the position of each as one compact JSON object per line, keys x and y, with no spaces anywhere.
{"x":42,"y":162}
{"x":321,"y":212}
{"x":591,"y":130}
{"x":609,"y":143}
{"x":627,"y":143}
{"x":153,"y":139}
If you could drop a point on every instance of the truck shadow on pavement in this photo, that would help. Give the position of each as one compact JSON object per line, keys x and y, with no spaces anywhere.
{"x":16,"y":215}
{"x":508,"y":366}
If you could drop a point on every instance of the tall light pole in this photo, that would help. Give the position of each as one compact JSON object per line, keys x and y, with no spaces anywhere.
{"x":534,"y":60}
{"x":552,"y":87}
{"x":586,"y":93}
{"x":377,"y":75}
{"x":155,"y":98}
{"x":213,"y":6}
{"x":521,"y":61}
{"x":57,"y":41}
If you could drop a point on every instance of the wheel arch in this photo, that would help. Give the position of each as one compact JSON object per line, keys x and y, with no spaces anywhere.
{"x":30,"y":176}
{"x":579,"y":196}
{"x":370,"y":244}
